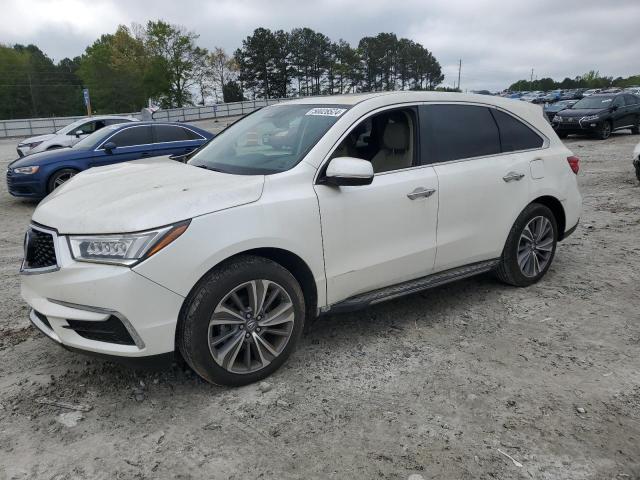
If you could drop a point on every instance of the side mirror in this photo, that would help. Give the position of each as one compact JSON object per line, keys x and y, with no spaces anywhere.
{"x":109,"y":147}
{"x":78,"y":133}
{"x":614,"y":108}
{"x":349,"y":171}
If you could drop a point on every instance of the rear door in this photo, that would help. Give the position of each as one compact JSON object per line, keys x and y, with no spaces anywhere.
{"x":132,"y":143}
{"x":175,"y":140}
{"x":484,"y":174}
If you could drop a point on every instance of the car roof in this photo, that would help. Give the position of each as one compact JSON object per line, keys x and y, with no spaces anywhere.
{"x":390,"y":98}
{"x":119,"y":126}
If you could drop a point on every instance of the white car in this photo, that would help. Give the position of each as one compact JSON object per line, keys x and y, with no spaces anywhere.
{"x":69,"y":135}
{"x":225,"y":258}
{"x":592,"y":91}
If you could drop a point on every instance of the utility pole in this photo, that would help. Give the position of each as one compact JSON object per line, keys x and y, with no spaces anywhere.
{"x":459,"y":70}
{"x":531,"y":80}
{"x":33,"y":100}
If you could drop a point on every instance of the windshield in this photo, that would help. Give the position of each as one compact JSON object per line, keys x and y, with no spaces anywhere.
{"x":271,"y":140}
{"x":90,"y":141}
{"x":593,"y":103}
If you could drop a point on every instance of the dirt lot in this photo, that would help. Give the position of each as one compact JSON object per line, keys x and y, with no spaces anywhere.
{"x":437,"y":384}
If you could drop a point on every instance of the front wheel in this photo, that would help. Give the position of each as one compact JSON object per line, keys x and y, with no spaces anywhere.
{"x":59,"y":178}
{"x":635,"y":130}
{"x":604,"y":131}
{"x":242,"y":321}
{"x":563,"y":134}
{"x":530,"y":247}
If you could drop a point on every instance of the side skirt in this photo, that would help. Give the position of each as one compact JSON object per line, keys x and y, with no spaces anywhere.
{"x":364,"y":300}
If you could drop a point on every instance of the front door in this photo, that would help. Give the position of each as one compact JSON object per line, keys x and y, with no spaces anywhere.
{"x":384,"y":233}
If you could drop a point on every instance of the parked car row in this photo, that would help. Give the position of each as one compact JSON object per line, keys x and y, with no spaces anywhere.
{"x":38,"y":174}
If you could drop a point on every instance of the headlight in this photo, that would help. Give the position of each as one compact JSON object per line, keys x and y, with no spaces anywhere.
{"x":30,"y":145}
{"x":557,"y":118}
{"x":125,"y":249}
{"x":590,"y":117}
{"x":26,"y":170}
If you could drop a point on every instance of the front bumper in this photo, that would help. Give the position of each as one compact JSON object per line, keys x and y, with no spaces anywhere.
{"x":115,"y":299}
{"x":577,"y":126}
{"x":27,"y":186}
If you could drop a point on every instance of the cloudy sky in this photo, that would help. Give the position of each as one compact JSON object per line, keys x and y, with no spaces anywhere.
{"x":499,"y":41}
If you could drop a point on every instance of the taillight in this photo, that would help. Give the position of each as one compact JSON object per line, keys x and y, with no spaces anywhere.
{"x":574,"y":163}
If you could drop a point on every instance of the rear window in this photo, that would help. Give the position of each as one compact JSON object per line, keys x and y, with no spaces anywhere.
{"x":515,"y":135}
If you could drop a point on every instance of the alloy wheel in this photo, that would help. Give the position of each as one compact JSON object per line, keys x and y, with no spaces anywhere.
{"x":62,"y":178}
{"x":251,"y":326}
{"x":535,"y":246}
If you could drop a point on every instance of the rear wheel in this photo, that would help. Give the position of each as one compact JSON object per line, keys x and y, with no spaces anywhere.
{"x":59,"y":178}
{"x":604,"y":131}
{"x":530,"y":247}
{"x":242,"y":322}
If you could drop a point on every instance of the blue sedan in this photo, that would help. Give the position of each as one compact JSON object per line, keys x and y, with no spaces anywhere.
{"x":39,"y":174}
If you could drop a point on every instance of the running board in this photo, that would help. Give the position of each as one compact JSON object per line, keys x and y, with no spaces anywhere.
{"x":412,"y":286}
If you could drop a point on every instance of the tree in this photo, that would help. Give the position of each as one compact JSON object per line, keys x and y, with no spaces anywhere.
{"x":223,"y":70}
{"x":232,"y":92}
{"x":176,"y":51}
{"x":264,"y":64}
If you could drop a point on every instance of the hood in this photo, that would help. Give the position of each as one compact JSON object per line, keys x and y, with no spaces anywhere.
{"x":39,"y":138}
{"x":582,"y":112}
{"x":143,"y":194}
{"x":48,"y":156}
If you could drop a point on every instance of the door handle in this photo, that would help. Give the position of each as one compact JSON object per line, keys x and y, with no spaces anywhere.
{"x":421,"y":192}
{"x":513,"y":177}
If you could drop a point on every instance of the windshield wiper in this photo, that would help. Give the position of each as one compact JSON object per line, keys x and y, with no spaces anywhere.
{"x":206,"y":167}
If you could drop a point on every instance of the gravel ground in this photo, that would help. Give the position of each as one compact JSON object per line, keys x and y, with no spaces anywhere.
{"x":445,"y":384}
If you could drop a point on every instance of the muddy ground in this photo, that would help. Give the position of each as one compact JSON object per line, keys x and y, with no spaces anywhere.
{"x":436,"y":384}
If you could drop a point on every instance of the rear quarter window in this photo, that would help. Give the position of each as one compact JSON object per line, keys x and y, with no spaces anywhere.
{"x":515,"y":135}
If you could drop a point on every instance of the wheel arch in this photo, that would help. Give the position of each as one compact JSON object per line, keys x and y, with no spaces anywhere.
{"x":285,"y":258}
{"x":553,"y":204}
{"x":57,"y":169}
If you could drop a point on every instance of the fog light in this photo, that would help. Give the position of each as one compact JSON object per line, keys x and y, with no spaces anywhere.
{"x":593,"y":124}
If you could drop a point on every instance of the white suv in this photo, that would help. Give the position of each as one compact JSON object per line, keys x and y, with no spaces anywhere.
{"x":362,"y":198}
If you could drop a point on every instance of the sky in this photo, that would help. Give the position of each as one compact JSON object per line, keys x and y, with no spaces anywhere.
{"x":499,"y":41}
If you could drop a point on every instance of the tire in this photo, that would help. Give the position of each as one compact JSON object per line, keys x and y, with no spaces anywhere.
{"x":635,"y":130}
{"x":604,"y":131}
{"x":216,"y":347}
{"x":563,"y":134}
{"x":54,"y":147}
{"x":58,"y":178}
{"x":520,"y":274}
{"x":636,"y":164}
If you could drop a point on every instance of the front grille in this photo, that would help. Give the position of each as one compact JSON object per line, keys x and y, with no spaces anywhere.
{"x":39,"y":250}
{"x":111,"y":330}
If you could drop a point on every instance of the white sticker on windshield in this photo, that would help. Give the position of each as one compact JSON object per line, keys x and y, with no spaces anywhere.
{"x":326,"y":111}
{"x":607,"y":100}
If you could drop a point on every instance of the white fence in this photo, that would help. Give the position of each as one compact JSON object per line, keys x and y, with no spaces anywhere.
{"x":29,"y":127}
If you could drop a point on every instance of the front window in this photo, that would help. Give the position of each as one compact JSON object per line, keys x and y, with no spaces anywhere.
{"x":593,"y":103}
{"x":271,"y":140}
